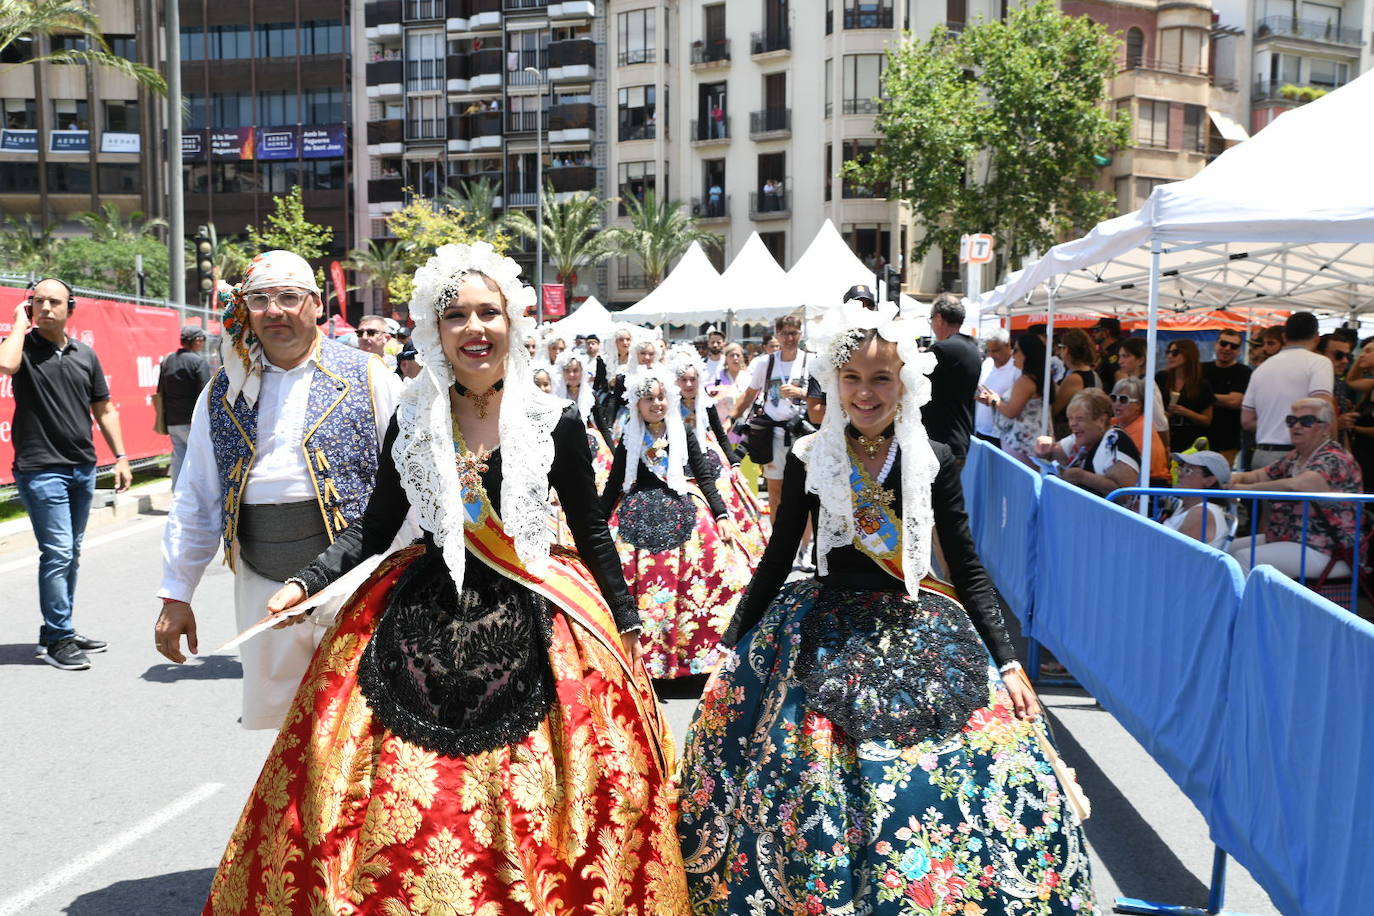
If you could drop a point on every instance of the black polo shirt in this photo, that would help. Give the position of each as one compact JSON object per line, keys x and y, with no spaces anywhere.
{"x":183,"y":377}
{"x":53,"y":394}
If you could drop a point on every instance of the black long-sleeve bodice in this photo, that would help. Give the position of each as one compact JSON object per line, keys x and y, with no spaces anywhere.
{"x":718,"y":430}
{"x":648,"y":480}
{"x":571,"y":475}
{"x":850,"y":567}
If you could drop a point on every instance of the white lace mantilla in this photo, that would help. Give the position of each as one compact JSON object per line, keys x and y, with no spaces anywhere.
{"x":681,"y":358}
{"x":636,"y":386}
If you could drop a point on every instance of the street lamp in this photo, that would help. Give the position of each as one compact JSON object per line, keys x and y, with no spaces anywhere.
{"x":538,"y":194}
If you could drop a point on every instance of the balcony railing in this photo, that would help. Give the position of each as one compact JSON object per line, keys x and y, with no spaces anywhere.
{"x":711,"y":51}
{"x":632,"y":130}
{"x":769,"y":206}
{"x":860,"y":106}
{"x":425,"y":75}
{"x":770,"y":40}
{"x":709,"y":129}
{"x":486,"y":61}
{"x":423,"y":10}
{"x":868,"y":18}
{"x":516,"y":76}
{"x":571,"y":178}
{"x":1310,"y":29}
{"x":572,"y":52}
{"x":382,"y":12}
{"x":389,"y":130}
{"x":1159,"y":66}
{"x":380,"y":72}
{"x":635,"y":56}
{"x":384,"y":190}
{"x":526,"y":122}
{"x":456,"y":67}
{"x":709,"y":207}
{"x":572,"y":116}
{"x":1269,"y":90}
{"x":770,"y":121}
{"x":517,"y":5}
{"x":425,"y":129}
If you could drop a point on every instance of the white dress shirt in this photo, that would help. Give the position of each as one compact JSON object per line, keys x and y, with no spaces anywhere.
{"x":195,"y":525}
{"x":999,"y":379}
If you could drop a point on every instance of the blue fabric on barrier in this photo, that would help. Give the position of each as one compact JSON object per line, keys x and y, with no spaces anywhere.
{"x":1142,"y":617}
{"x":1294,"y":794}
{"x":1002,"y":501}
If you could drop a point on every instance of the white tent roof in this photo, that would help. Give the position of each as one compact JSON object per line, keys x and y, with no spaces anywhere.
{"x":826,"y":270}
{"x":755,"y":286}
{"x":690,"y":293}
{"x":1283,"y":220}
{"x":591,"y":317}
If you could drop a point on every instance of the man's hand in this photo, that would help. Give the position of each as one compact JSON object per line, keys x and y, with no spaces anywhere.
{"x":123,"y":475}
{"x":792,"y":391}
{"x":21,"y":319}
{"x":288,"y":596}
{"x":175,"y":620}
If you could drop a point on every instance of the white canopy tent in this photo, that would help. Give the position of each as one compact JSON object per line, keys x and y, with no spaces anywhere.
{"x":754,"y":287}
{"x":690,"y":293}
{"x":826,"y":270}
{"x":591,"y":317}
{"x":1285,"y":219}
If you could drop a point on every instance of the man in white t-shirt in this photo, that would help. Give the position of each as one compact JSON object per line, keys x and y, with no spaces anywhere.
{"x":1295,"y":372}
{"x":998,"y":376}
{"x":781,"y":379}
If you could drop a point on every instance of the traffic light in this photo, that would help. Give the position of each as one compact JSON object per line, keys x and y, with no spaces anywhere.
{"x":205,"y":263}
{"x":893,"y":281}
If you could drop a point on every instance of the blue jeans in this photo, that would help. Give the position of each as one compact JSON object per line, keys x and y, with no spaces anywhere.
{"x":58,"y":501}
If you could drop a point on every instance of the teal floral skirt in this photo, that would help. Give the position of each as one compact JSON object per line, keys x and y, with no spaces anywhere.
{"x":946,"y":806}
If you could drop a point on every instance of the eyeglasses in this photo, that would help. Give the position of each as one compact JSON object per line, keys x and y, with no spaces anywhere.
{"x":288,"y":300}
{"x":1122,"y":399}
{"x":370,"y":332}
{"x":1172,"y":352}
{"x":1228,"y":344}
{"x":1306,"y":422}
{"x":1340,"y":356}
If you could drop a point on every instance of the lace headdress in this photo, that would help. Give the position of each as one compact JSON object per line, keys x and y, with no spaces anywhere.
{"x":826,"y":454}
{"x":681,"y":358}
{"x":585,"y":395}
{"x":424,"y":449}
{"x":636,"y":387}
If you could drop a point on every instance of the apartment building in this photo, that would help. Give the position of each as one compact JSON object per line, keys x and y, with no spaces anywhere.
{"x":76,"y":137}
{"x":1301,"y":50}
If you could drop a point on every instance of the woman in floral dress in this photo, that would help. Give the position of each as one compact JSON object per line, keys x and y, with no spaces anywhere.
{"x":870,"y":746}
{"x":676,"y":541}
{"x":476,"y":736}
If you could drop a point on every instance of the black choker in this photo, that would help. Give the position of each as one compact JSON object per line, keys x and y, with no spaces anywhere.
{"x":480,"y":400}
{"x":870,"y":444}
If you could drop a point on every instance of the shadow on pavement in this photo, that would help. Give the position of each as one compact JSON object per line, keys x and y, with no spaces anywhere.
{"x":161,"y":895}
{"x":19,"y":653}
{"x":1141,"y":864}
{"x":209,"y":668}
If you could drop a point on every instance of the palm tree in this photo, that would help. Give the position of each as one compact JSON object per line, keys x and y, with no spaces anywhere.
{"x":25,"y":20}
{"x":477,"y":201}
{"x":659,"y":233}
{"x":382,"y":263}
{"x":28,"y":247}
{"x":108,"y":225}
{"x":573,"y":233}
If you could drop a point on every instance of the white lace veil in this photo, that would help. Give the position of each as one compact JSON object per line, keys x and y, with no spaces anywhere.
{"x":585,"y":397}
{"x":424,"y":449}
{"x":636,"y":386}
{"x":681,"y":358}
{"x":826,"y":454}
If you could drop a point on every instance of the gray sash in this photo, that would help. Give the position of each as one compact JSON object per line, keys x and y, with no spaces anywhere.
{"x":277,"y":541}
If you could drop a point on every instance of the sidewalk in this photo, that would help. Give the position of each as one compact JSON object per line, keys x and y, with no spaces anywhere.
{"x":109,"y":508}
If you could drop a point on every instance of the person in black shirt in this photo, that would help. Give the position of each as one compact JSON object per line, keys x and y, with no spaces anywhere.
{"x":59,"y":386}
{"x":1107,"y":335}
{"x":183,"y":377}
{"x":954,"y":383}
{"x":1228,"y":378}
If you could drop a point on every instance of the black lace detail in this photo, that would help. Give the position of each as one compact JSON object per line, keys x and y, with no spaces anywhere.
{"x":657,"y":519}
{"x":884,"y":666}
{"x":712,"y":462}
{"x":459,"y":674}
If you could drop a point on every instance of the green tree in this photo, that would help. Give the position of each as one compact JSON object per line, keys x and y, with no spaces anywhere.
{"x":109,"y":264}
{"x":381,"y":263}
{"x":109,"y":225}
{"x":420,"y":227}
{"x":27,"y":247}
{"x":573,"y":234}
{"x":26,"y":20}
{"x":659,"y":233}
{"x":476,"y":198}
{"x":998,"y":130}
{"x":288,"y":229}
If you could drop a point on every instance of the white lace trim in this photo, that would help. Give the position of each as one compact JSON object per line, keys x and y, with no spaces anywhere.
{"x":633,"y":438}
{"x":585,"y":398}
{"x":424,"y":452}
{"x":826,"y":453}
{"x":681,"y":358}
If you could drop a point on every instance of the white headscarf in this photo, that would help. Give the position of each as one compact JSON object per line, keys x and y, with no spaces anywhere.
{"x":585,"y":396}
{"x":240,"y":351}
{"x":424,"y":449}
{"x":681,"y":358}
{"x":636,"y":387}
{"x":826,"y":454}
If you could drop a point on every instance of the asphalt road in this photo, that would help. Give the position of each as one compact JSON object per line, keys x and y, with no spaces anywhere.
{"x":122,"y":783}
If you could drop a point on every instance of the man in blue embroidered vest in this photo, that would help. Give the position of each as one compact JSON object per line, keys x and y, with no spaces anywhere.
{"x":282,"y":456}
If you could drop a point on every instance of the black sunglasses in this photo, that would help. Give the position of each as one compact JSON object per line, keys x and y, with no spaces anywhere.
{"x":1339,"y":355}
{"x":1171,"y":352}
{"x":1306,"y":422}
{"x":1229,"y":344}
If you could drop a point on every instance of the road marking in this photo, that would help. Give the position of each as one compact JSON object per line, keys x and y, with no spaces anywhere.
{"x":136,"y":525}
{"x":56,"y":879}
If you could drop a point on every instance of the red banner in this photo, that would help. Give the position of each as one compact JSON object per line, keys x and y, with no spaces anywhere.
{"x":554,"y":306}
{"x":340,"y":288}
{"x":131,"y":341}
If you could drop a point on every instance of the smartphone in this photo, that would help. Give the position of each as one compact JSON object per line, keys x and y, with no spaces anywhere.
{"x":28,"y":309}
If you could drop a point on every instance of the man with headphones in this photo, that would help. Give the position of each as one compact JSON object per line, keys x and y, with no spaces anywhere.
{"x":59,"y":386}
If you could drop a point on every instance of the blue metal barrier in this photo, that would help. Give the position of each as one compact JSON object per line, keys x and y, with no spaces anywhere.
{"x":1002,"y":496}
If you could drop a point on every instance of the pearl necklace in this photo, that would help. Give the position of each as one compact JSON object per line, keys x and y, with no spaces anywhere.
{"x":887,"y":464}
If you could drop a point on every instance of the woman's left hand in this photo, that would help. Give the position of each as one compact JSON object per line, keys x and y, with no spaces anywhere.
{"x":1023,"y":698}
{"x":631,"y":643}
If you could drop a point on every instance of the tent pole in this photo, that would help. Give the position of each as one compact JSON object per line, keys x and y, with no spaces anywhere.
{"x":1151,"y":338}
{"x":1046,"y":402}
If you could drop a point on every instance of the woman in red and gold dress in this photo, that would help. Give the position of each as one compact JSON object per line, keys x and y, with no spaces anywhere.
{"x":476,"y":735}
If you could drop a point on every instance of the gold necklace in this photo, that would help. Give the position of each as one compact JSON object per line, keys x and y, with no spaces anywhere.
{"x":479,"y":401}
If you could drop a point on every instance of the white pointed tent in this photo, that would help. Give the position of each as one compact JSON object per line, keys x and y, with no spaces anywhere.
{"x":591,"y":317}
{"x":690,"y":293}
{"x":1285,"y":219}
{"x":826,"y":270}
{"x":754,"y":287}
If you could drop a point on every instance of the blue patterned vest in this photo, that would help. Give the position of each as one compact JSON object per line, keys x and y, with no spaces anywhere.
{"x":340,"y":442}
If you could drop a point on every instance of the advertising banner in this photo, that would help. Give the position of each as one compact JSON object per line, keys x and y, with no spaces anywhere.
{"x":19,"y":141}
{"x":554,"y":306}
{"x":231,"y":143}
{"x":69,"y":141}
{"x":336,"y":274}
{"x":277,"y":143}
{"x":131,"y":341}
{"x":193,"y":145}
{"x":322,"y":142}
{"x":113,"y":142}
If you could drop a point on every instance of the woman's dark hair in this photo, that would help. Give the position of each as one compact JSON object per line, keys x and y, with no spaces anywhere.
{"x":1136,"y":346}
{"x":1078,"y":347}
{"x":1190,"y":373}
{"x":1033,"y":350}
